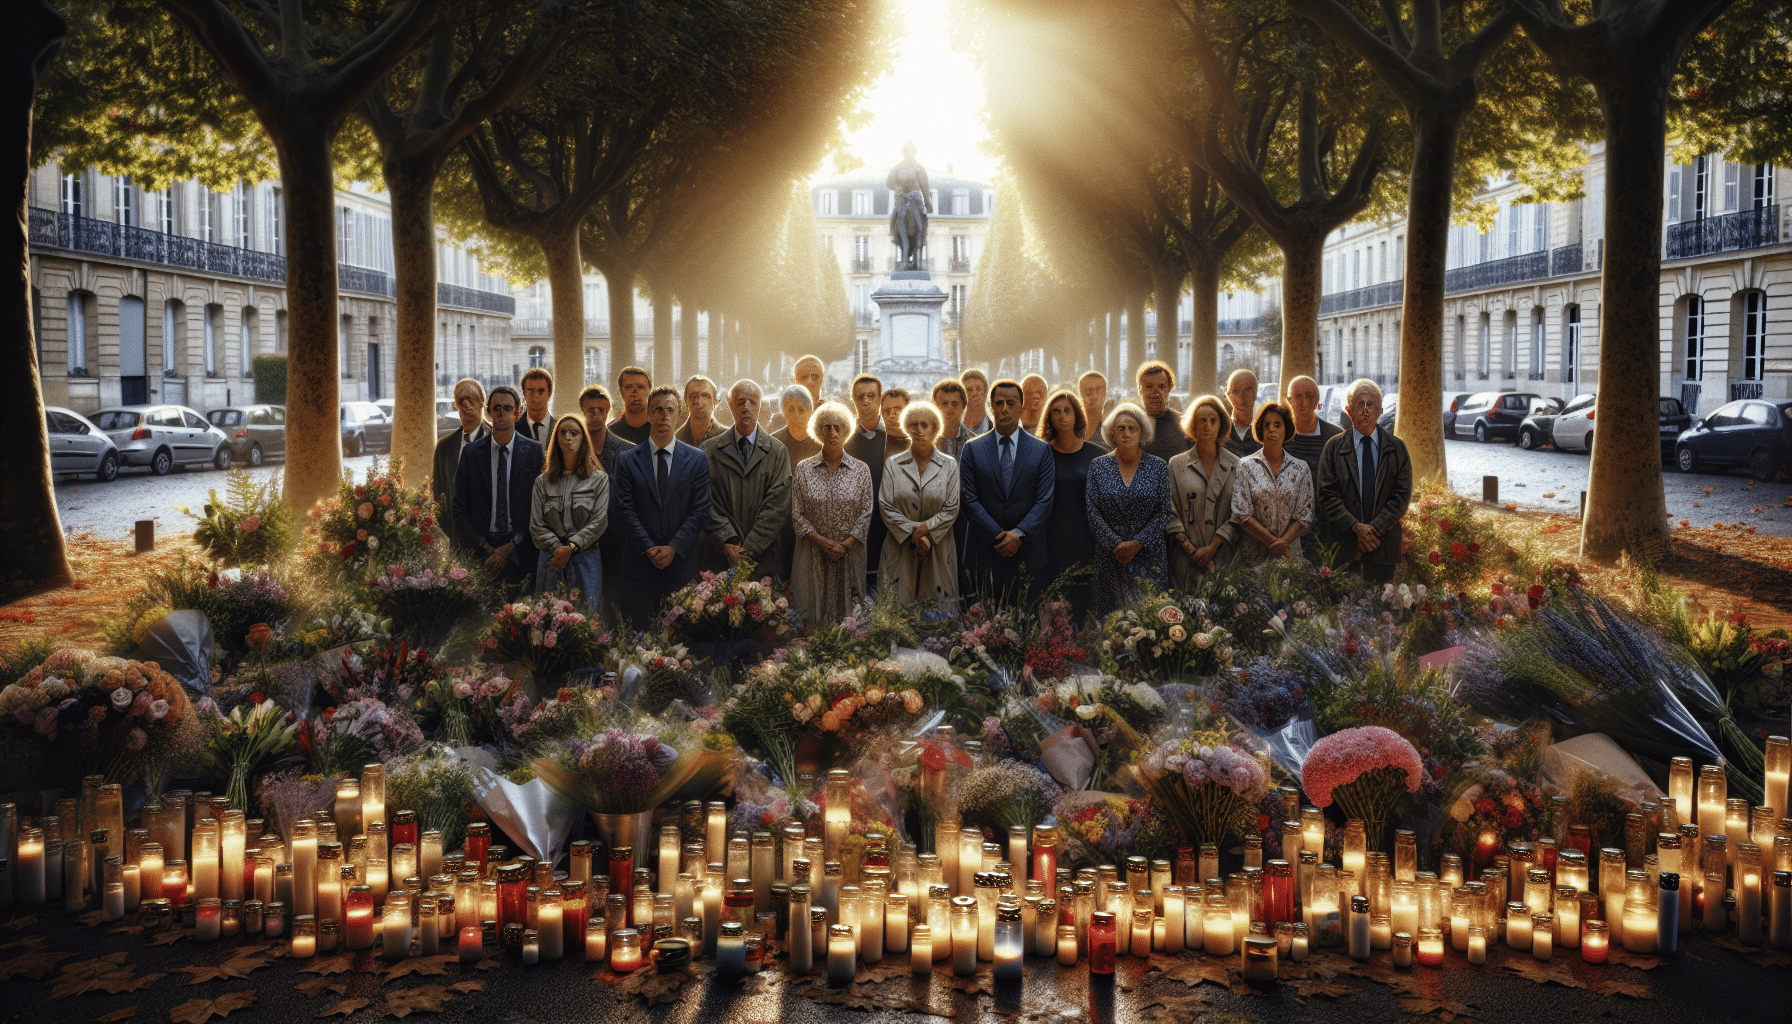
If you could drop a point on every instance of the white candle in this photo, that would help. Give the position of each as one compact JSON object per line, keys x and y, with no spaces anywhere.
{"x":837,"y":811}
{"x":896,"y":908}
{"x":1778,"y":773}
{"x":304,"y":868}
{"x":1175,"y":915}
{"x":304,"y":938}
{"x":842,"y":959}
{"x":373,"y":795}
{"x":1518,"y":926}
{"x":946,"y":846}
{"x":396,"y":927}
{"x":31,"y":867}
{"x":764,"y":865}
{"x":232,"y":842}
{"x":1748,"y":904}
{"x":595,"y":934}
{"x":1220,"y":936}
{"x":1542,"y":936}
{"x":920,"y":949}
{"x":132,"y":876}
{"x":712,"y":908}
{"x":801,"y":941}
{"x":870,"y":927}
{"x":112,"y":901}
{"x":208,"y":919}
{"x":964,"y":933}
{"x":970,"y":861}
{"x":548,"y":921}
{"x":1477,"y":945}
{"x":670,"y":848}
{"x":1017,"y":853}
{"x":203,"y":864}
{"x":716,"y":833}
{"x":1639,"y":925}
{"x":430,"y":854}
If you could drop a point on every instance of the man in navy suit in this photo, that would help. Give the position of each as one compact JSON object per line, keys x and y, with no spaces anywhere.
{"x":1006,"y":481}
{"x":662,"y":500}
{"x":492,"y":488}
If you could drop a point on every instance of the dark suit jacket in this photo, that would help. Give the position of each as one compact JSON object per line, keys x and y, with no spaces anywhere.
{"x":871,"y":453}
{"x":649,"y":519}
{"x":1340,"y":492}
{"x":447,"y":460}
{"x":992,"y":508}
{"x":473,"y":495}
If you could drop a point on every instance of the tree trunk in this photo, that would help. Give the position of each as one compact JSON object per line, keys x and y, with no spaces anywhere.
{"x":1419,"y":421}
{"x":664,"y":365}
{"x":1166,"y":295}
{"x":1626,"y":510}
{"x":619,"y":285}
{"x":1135,"y":336}
{"x":1204,"y":332}
{"x":33,"y":557}
{"x":1301,"y":261}
{"x":414,"y":259}
{"x":313,"y":382}
{"x":566,"y":290}
{"x":687,"y":339}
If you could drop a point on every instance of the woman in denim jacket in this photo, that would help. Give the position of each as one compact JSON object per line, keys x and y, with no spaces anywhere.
{"x":568,"y":513}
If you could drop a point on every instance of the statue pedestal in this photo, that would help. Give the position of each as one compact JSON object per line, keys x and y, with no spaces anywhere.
{"x":910,"y":307}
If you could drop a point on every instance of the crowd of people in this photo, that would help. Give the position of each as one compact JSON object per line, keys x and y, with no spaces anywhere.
{"x":980,"y":490}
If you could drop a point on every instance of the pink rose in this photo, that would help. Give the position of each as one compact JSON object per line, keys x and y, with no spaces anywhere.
{"x":251,"y":524}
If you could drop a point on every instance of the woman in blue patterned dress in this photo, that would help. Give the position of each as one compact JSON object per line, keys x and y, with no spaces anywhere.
{"x":1129,"y":505}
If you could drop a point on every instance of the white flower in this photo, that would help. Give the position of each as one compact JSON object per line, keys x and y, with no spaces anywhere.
{"x":1085,"y":711}
{"x":122,"y":697}
{"x":158,"y":710}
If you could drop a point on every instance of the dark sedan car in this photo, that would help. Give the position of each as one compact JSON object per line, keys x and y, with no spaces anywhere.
{"x":1539,"y":429}
{"x":256,"y":432}
{"x":364,"y":426}
{"x":1674,"y":421}
{"x":1754,"y":434}
{"x":1496,"y":415}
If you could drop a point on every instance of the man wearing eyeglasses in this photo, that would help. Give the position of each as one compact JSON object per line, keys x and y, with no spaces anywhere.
{"x":469,"y":402}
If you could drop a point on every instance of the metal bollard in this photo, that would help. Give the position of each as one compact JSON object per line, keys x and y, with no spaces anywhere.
{"x":1490,"y":490}
{"x":146,"y":535}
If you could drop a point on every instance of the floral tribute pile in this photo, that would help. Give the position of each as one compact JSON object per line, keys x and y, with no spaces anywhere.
{"x":1482,"y":709}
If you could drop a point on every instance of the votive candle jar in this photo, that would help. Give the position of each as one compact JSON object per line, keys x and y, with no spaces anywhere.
{"x":304,"y":937}
{"x":965,"y":934}
{"x":1431,"y":947}
{"x":625,"y":950}
{"x":842,"y":956}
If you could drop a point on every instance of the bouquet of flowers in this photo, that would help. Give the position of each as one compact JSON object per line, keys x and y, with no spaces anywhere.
{"x":1209,"y":788}
{"x":654,"y":677}
{"x":244,"y":739}
{"x":567,"y":713}
{"x":1365,"y":769}
{"x":1004,"y":794}
{"x":996,"y":636}
{"x":421,"y":603}
{"x":623,"y":772}
{"x":250,"y":526}
{"x":1157,"y":639}
{"x":549,"y":636}
{"x":780,"y":706}
{"x":340,"y":739}
{"x":371,"y":523}
{"x":471,"y":703}
{"x":1260,"y":695}
{"x":289,"y":796}
{"x":1053,"y":650}
{"x":436,"y":783}
{"x":1491,"y":808}
{"x":1449,"y":543}
{"x":392,"y":673}
{"x":1102,"y":828}
{"x":721,"y":608}
{"x":101,"y":716}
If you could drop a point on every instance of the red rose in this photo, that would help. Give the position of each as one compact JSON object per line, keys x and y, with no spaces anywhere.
{"x":1458,"y":552}
{"x":1445,"y":525}
{"x":1474,"y":548}
{"x":565,"y":695}
{"x":1484,"y":806}
{"x":428,"y":538}
{"x":348,"y":551}
{"x":1435,"y":557}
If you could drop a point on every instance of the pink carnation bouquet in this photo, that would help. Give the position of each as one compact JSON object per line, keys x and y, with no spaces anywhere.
{"x":1365,"y":770}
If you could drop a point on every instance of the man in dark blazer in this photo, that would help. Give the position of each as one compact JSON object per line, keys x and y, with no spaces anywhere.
{"x":1365,"y":484}
{"x":662,"y":489}
{"x":1006,"y":478}
{"x":749,"y":491}
{"x":867,"y":445}
{"x":492,"y":489}
{"x":469,"y":402}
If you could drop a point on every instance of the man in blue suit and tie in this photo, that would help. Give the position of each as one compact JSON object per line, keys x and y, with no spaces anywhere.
{"x":492,"y":488}
{"x":662,"y":492}
{"x":1006,"y":480}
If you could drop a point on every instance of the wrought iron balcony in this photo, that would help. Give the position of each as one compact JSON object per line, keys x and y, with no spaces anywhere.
{"x":474,"y":298}
{"x":1741,"y":389}
{"x":364,"y":280}
{"x":958,"y":266}
{"x":1240,"y":325}
{"x":1531,"y":266}
{"x":861,"y":266}
{"x":1565,"y":259}
{"x":1748,"y":229}
{"x":52,"y":229}
{"x":1387,"y":293}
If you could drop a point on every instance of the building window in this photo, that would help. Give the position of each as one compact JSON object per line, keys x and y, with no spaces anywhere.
{"x":346,"y":236}
{"x":1512,"y":218}
{"x":165,"y":212}
{"x":74,"y":200}
{"x":591,"y":353}
{"x":1486,"y":366}
{"x":958,"y":301}
{"x":1540,"y":228}
{"x":246,"y":333}
{"x":1486,"y":247}
{"x":861,"y":202}
{"x":829,"y":203}
{"x":1227,"y":354}
{"x":1356,"y":269}
{"x":1695,"y":336}
{"x":208,"y":225}
{"x":538,"y":356}
{"x":210,"y":327}
{"x":1754,"y":333}
{"x":1763,"y":185}
{"x":1701,"y":187}
{"x":1536,"y":344}
{"x":961,"y":248}
{"x":77,"y":334}
{"x":961,"y":202}
{"x":241,"y":205}
{"x":124,"y":201}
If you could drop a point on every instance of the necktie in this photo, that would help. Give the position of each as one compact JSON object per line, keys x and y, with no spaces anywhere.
{"x":1007,"y":461}
{"x":1366,"y":477}
{"x":745,"y":442}
{"x":503,"y":517}
{"x":664,"y":472}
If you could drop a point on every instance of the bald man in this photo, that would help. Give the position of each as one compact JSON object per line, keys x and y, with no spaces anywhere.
{"x":1032,"y":402}
{"x":1241,"y":394}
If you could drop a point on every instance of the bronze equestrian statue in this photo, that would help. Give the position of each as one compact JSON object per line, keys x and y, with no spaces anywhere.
{"x":908,"y":208}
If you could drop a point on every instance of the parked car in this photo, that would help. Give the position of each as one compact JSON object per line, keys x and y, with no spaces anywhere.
{"x":1538,"y":429}
{"x":364,"y":426}
{"x":447,"y":417}
{"x":386,"y":405}
{"x":257,"y":432}
{"x":1754,"y":434}
{"x":1452,"y":400}
{"x":1389,"y":405}
{"x":1674,"y":421}
{"x":163,"y":437}
{"x":1572,"y":430}
{"x":78,"y":446}
{"x":1496,"y":415}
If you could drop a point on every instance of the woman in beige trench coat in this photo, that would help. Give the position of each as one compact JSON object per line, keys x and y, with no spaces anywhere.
{"x":1203,"y":536}
{"x":919,"y":504}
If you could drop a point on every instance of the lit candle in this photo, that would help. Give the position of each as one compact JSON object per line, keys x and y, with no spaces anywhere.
{"x":1259,"y":959}
{"x":1777,"y":790}
{"x":203,"y":862}
{"x":1220,"y":936}
{"x":1355,"y":847}
{"x":304,"y":868}
{"x":403,"y":863}
{"x":596,"y":935}
{"x":1176,"y":914}
{"x":870,"y":926}
{"x":1639,"y":926}
{"x":625,"y":950}
{"x":1298,"y":945}
{"x":1312,"y":823}
{"x":378,"y":880}
{"x":1611,"y":890}
{"x":1748,"y":894}
{"x":1144,"y":931}
{"x":1010,"y":933}
{"x":920,"y":949}
{"x":970,"y":861}
{"x":712,"y":909}
{"x":946,"y":844}
{"x":1210,"y":861}
{"x":174,"y":882}
{"x":896,"y":911}
{"x":1381,"y":931}
{"x":1567,"y":917}
{"x":208,"y":922}
{"x":1404,"y":906}
{"x":1595,"y":940}
{"x":395,"y":927}
{"x":836,"y":812}
{"x":1066,"y":939}
{"x":373,"y":796}
{"x":31,"y":867}
{"x":549,"y":922}
{"x":1104,"y":941}
{"x":1713,"y":794}
{"x":231,"y":845}
{"x":939,"y":919}
{"x":842,"y":955}
{"x":357,"y":922}
{"x":1431,"y":947}
{"x":964,"y":934}
{"x":671,"y":840}
{"x":1477,"y":945}
{"x":1045,"y":853}
{"x":1518,"y":926}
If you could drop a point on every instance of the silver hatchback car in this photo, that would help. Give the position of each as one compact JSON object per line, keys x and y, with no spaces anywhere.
{"x":78,"y":446}
{"x":164,"y":436}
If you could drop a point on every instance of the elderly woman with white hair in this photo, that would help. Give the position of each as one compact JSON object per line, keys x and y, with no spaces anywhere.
{"x":798,"y":406}
{"x":1128,"y":501}
{"x":919,"y":503}
{"x":831,"y":513}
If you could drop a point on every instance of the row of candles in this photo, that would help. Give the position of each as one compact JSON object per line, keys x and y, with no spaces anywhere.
{"x":970,"y":900}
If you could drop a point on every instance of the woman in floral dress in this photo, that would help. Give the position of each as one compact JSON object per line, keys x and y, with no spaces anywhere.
{"x":1272,"y":494}
{"x":831,"y":504}
{"x":1128,"y":501}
